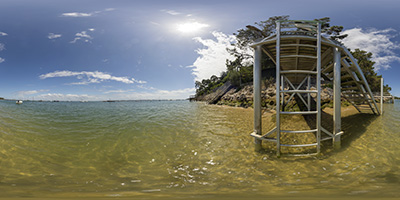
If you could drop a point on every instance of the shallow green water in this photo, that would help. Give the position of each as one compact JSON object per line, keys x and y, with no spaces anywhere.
{"x":174,"y":149}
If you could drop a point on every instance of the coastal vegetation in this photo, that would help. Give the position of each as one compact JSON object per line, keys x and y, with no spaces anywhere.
{"x":367,"y":66}
{"x":239,"y":72}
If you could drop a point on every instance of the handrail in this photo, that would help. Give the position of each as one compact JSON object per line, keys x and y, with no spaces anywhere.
{"x":353,"y":60}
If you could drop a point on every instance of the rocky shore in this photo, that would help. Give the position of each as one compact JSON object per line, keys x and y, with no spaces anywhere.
{"x":243,"y":96}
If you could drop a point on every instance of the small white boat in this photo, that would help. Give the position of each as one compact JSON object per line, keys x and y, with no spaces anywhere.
{"x":19,"y":102}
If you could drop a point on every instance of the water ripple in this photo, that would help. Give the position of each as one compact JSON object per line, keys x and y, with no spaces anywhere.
{"x":100,"y":149}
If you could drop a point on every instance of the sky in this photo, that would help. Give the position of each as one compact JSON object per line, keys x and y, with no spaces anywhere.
{"x":134,"y":49}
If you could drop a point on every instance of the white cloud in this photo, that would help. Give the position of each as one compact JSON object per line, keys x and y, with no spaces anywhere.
{"x":89,"y":77}
{"x":139,"y":81}
{"x":2,"y":60}
{"x":29,"y":92}
{"x":2,"y":47}
{"x":77,"y":14}
{"x":53,"y":36}
{"x":171,"y":12}
{"x":91,"y":29}
{"x":117,"y":91}
{"x":75,"y":39}
{"x":81,"y":14}
{"x":3,"y":34}
{"x":109,"y":9}
{"x":83,"y":36}
{"x":212,"y":57}
{"x":375,"y":41}
{"x":146,"y":87}
{"x":87,"y":82}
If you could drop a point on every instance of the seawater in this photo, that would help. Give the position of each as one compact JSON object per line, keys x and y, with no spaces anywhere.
{"x":181,"y":149}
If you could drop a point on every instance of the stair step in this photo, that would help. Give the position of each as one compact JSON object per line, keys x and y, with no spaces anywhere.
{"x":349,"y":88}
{"x":348,"y":82}
{"x":346,"y":77}
{"x":331,"y":72}
{"x":327,"y":69}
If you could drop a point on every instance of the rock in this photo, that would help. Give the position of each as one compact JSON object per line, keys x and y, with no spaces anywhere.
{"x":244,"y":96}
{"x":271,"y":91}
{"x":327,"y":94}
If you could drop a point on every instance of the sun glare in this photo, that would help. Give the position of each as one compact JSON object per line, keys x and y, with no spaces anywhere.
{"x":191,"y":27}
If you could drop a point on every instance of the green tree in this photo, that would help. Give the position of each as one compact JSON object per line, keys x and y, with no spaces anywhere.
{"x":233,"y":74}
{"x":333,"y":31}
{"x":205,"y":82}
{"x":367,"y":67}
{"x":214,"y":78}
{"x":268,"y":27}
{"x":252,"y":33}
{"x":238,"y":73}
{"x":197,"y":84}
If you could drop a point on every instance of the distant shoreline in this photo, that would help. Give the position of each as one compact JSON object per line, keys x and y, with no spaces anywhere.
{"x":95,"y":100}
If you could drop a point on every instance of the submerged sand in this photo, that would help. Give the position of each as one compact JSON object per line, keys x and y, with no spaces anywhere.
{"x":352,"y":120}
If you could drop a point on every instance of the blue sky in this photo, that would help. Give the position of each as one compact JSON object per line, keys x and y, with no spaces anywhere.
{"x":120,"y":49}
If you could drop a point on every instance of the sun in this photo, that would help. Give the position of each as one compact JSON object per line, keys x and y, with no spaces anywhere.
{"x":191,"y":27}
